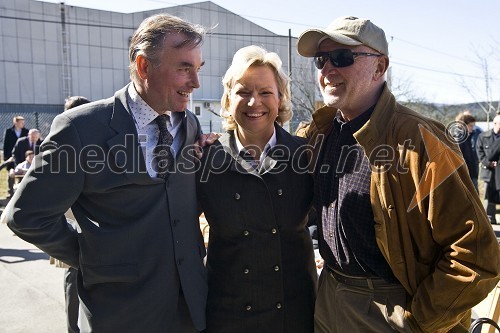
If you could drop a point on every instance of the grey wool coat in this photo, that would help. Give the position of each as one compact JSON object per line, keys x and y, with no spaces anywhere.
{"x":260,"y":261}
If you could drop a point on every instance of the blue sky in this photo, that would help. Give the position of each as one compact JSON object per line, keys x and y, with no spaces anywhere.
{"x":436,"y":47}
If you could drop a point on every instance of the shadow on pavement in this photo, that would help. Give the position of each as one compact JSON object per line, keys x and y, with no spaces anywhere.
{"x":13,"y":256}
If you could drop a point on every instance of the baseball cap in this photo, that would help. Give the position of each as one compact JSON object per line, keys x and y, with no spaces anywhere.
{"x":346,"y":30}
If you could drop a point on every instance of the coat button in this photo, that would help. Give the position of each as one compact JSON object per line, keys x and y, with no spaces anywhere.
{"x":237,"y":196}
{"x":276,"y":268}
{"x":280,"y":191}
{"x":176,"y":221}
{"x":273,"y":230}
{"x":246,"y":233}
{"x":248,"y":307}
{"x":278,"y":305}
{"x":246,"y":271}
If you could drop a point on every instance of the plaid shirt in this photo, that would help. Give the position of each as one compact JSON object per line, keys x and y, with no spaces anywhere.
{"x":342,"y":185}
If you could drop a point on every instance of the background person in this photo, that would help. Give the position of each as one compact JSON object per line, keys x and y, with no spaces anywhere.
{"x":138,"y":245}
{"x":17,"y":174}
{"x":30,"y":142}
{"x":12,"y":134}
{"x":397,"y":257}
{"x":487,"y":171}
{"x":494,"y":156}
{"x":467,"y":147}
{"x":476,"y":130}
{"x":260,"y":262}
{"x":70,"y":276}
{"x":22,"y":168}
{"x":74,"y":101}
{"x":9,"y":141}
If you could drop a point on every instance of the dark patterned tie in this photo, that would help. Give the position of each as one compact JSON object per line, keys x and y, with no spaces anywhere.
{"x":162,"y":153}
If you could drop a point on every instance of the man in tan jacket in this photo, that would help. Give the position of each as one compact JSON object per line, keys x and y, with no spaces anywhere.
{"x":406,"y":241}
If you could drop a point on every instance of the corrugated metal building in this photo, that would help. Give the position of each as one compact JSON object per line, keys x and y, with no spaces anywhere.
{"x":50,"y":51}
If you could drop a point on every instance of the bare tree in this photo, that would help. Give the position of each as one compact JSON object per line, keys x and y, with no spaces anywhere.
{"x":441,"y":113}
{"x":402,"y":88}
{"x":489,"y":83}
{"x":305,"y":90}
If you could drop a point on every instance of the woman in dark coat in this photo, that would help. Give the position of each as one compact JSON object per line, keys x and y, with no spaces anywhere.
{"x":255,"y":191}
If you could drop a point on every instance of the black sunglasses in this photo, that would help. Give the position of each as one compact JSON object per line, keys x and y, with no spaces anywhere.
{"x":339,"y":58}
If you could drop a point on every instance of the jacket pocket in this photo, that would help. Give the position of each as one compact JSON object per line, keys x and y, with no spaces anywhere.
{"x":94,"y":274}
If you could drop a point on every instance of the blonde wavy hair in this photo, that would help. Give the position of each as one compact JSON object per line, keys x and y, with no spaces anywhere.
{"x":243,"y":59}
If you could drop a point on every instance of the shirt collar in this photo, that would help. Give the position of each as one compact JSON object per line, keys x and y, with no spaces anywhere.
{"x":142,"y":112}
{"x":270,"y":144}
{"x":358,"y":122}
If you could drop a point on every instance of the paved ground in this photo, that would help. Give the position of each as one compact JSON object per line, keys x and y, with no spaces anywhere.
{"x":31,"y":290}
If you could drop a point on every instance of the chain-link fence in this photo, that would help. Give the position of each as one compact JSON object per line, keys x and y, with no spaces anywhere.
{"x":36,"y":116}
{"x":43,"y":117}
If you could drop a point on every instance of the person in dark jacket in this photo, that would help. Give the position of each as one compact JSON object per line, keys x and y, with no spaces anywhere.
{"x":476,"y":130}
{"x":488,"y":166}
{"x":30,"y":142}
{"x":493,"y":156}
{"x":466,"y":144}
{"x":138,"y":248}
{"x":11,"y":135}
{"x":10,"y":138}
{"x":256,"y":193}
{"x":70,"y":276}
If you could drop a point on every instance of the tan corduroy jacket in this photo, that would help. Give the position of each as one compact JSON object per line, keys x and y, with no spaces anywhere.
{"x":440,"y":244}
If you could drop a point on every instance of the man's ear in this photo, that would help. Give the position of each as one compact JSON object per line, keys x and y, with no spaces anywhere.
{"x":382,"y":66}
{"x":142,"y":65}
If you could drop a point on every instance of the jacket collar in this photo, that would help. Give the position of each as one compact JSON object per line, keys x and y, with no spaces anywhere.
{"x":488,"y":133}
{"x":231,"y":157}
{"x":370,"y":132}
{"x":285,"y":145}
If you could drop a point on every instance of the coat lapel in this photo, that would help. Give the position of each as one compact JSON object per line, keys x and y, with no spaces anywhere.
{"x":125,"y":153}
{"x":188,"y":134}
{"x":238,"y":163}
{"x":268,"y":163}
{"x":281,"y":152}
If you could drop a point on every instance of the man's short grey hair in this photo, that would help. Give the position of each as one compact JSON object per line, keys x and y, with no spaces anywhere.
{"x":149,"y":37}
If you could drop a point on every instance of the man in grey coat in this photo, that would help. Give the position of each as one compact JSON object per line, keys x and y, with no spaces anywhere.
{"x":138,"y":246}
{"x":487,"y":168}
